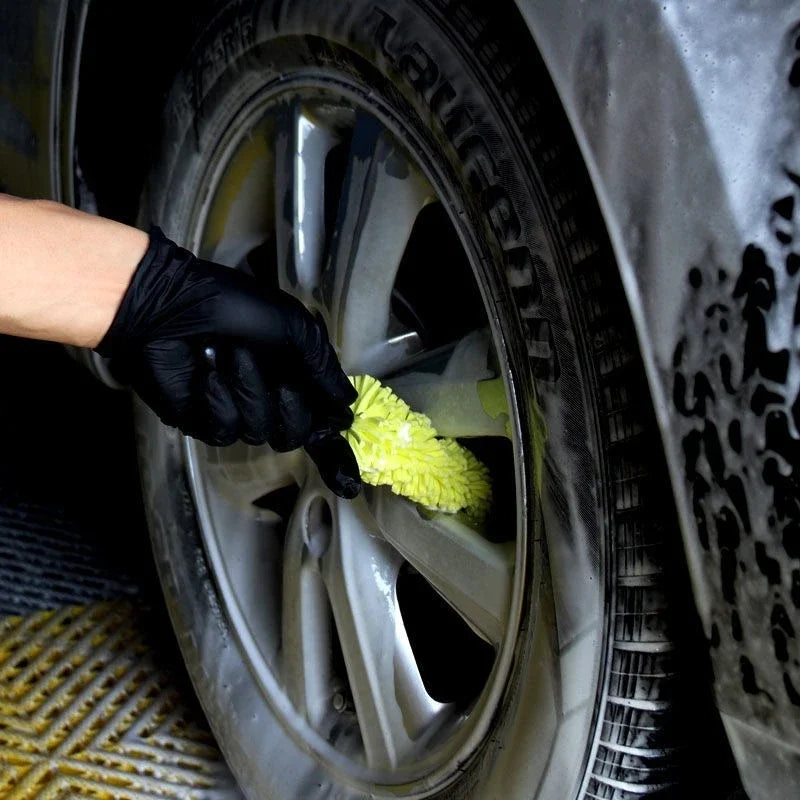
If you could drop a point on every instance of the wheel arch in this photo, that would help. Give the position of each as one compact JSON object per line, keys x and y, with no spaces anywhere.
{"x":687,"y":122}
{"x":598,"y":96}
{"x":126,"y":57}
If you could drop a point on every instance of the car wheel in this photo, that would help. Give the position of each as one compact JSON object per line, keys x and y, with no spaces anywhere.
{"x":406,"y":170}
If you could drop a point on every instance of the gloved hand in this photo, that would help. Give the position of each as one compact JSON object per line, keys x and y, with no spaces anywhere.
{"x":274,"y":378}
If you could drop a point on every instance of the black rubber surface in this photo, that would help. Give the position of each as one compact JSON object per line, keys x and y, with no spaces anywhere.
{"x":71,"y":525}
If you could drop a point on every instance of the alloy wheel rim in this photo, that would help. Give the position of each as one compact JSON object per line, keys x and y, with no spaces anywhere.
{"x":297,"y":568}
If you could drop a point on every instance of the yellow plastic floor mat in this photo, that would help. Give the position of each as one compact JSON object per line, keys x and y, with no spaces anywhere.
{"x":87,"y":709}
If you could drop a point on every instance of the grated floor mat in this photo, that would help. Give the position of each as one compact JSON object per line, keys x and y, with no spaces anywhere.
{"x":47,"y":562}
{"x":88,"y":709}
{"x":72,"y":531}
{"x":94,"y":698}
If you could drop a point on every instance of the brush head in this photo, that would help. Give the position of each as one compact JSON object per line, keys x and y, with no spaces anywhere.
{"x":399,"y":448}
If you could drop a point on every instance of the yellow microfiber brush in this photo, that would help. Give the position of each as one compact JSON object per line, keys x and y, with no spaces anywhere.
{"x":399,"y":448}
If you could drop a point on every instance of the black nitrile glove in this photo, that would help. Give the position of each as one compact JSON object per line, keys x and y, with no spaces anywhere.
{"x":274,"y":377}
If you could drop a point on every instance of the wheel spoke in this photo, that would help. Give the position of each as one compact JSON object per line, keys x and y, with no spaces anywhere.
{"x":301,"y":148}
{"x":394,"y":709}
{"x":460,"y":395}
{"x":241,"y":473}
{"x":386,"y":355}
{"x":306,"y":618}
{"x":238,"y":218}
{"x":249,"y":546}
{"x":473,"y":574}
{"x":381,"y":198}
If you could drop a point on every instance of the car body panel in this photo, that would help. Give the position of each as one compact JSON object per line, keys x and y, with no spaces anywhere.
{"x":28,"y":41}
{"x":687,"y":117}
{"x":40,"y":50}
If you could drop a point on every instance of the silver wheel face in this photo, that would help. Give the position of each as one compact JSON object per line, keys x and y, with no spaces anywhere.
{"x":381,"y":635}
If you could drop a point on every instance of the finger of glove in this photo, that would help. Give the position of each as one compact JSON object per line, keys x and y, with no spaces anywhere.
{"x":166,"y":376}
{"x":294,"y":414}
{"x":336,"y":463}
{"x":321,"y":363}
{"x":219,"y":426}
{"x":257,"y":403}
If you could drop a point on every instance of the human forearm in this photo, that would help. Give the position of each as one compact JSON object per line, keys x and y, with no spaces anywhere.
{"x":62,"y":272}
{"x":153,"y":308}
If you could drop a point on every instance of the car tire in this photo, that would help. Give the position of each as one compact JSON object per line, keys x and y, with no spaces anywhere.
{"x":464,"y":80}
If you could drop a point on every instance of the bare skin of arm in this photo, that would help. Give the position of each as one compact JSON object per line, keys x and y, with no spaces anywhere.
{"x":63,"y":272}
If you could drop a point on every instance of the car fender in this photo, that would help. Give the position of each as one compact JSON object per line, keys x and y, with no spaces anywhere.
{"x":687,"y":118}
{"x":40,"y":43}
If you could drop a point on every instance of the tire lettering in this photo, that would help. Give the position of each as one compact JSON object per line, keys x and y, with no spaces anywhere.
{"x":413,"y":61}
{"x":419,"y":68}
{"x":442,"y":98}
{"x":498,"y":206}
{"x":386,"y":24}
{"x":541,"y":349}
{"x":457,"y":123}
{"x":479,"y":163}
{"x":522,"y":277}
